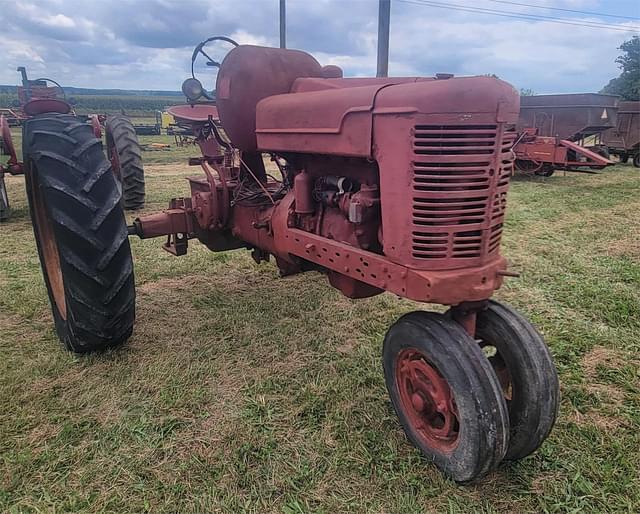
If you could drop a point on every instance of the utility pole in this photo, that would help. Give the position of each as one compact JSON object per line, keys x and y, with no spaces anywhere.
{"x":283,"y":24}
{"x":384,"y":17}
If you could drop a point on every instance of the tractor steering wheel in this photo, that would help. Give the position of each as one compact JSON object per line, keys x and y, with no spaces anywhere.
{"x":45,"y":80}
{"x":199,"y":49}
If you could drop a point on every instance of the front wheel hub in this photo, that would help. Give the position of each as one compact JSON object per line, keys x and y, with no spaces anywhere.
{"x":427,"y":401}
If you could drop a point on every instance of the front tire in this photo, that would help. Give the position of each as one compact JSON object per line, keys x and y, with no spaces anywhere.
{"x":446,"y":395}
{"x":636,"y":160}
{"x":526,"y":372}
{"x":80,"y":232}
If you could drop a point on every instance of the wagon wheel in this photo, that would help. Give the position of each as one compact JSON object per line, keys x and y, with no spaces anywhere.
{"x":446,"y":395}
{"x":546,"y":171}
{"x":125,"y":155}
{"x":527,"y":375}
{"x":602,"y":151}
{"x":527,"y":167}
{"x":80,"y":232}
{"x":636,"y":160}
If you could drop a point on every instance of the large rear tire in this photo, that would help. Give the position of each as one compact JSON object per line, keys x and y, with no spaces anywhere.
{"x":125,"y":154}
{"x":80,"y":231}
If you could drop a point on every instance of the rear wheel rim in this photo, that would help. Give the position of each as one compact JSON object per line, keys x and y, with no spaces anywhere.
{"x":427,"y":401}
{"x":112,"y":154}
{"x":49,"y":249}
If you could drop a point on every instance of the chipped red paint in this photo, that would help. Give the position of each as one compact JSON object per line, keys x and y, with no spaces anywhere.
{"x":13,"y":165}
{"x":396,"y":184}
{"x":427,"y":401}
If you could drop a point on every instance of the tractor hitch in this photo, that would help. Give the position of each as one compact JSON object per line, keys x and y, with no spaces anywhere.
{"x":176,"y":223}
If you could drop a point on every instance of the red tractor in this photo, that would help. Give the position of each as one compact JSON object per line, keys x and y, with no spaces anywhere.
{"x":37,"y":97}
{"x":384,"y":184}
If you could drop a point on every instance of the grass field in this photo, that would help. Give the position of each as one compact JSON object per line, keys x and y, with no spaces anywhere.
{"x":240,"y":391}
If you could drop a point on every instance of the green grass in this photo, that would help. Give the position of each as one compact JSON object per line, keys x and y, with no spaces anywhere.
{"x":240,"y":391}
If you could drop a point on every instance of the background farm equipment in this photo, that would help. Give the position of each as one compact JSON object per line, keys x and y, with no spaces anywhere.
{"x":382,"y":184}
{"x":624,"y":140}
{"x":12,"y":116}
{"x":37,"y":98}
{"x":564,"y":132}
{"x":163,"y":122}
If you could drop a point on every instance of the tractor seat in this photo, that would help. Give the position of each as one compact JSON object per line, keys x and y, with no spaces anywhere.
{"x":198,"y":113}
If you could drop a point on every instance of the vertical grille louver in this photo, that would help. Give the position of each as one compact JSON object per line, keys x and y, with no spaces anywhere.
{"x":459,"y":194}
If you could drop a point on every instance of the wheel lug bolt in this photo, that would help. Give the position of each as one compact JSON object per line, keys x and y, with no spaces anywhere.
{"x":417,"y":401}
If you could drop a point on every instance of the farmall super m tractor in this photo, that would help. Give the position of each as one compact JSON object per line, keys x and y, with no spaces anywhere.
{"x":386,"y":184}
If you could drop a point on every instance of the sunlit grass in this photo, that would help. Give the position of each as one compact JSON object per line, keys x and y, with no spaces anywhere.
{"x":243,"y":391}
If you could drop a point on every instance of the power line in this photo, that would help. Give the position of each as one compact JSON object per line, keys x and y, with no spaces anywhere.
{"x":511,"y":14}
{"x":567,"y":10}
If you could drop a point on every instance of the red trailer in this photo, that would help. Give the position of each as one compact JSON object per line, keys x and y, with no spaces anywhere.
{"x":624,"y":140}
{"x":554,"y":131}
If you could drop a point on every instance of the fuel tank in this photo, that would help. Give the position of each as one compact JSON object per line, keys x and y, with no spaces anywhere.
{"x":247,"y":75}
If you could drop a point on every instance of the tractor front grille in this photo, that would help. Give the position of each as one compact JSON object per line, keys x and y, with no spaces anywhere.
{"x":460,"y":180}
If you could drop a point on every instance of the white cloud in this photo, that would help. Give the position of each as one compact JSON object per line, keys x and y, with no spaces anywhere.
{"x":147,"y":44}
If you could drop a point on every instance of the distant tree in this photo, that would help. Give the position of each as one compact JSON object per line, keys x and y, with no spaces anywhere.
{"x":527,"y":92}
{"x":627,"y":85}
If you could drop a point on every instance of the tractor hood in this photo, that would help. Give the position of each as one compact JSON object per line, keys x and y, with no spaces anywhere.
{"x":336,"y":116}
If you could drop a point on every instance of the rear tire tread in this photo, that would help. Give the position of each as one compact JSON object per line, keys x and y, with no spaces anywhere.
{"x":89,"y":229}
{"x":123,"y":135}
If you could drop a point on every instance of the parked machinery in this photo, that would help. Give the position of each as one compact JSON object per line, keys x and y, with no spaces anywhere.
{"x":384,"y":184}
{"x":564,"y":132}
{"x":624,"y":140}
{"x":36,"y":98}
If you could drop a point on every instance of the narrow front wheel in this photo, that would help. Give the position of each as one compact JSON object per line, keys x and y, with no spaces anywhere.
{"x":528,"y":378}
{"x":446,"y":395}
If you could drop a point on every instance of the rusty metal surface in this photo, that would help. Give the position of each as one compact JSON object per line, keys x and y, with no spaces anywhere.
{"x":393,"y":184}
{"x":38,"y":106}
{"x":197,"y":113}
{"x":626,"y":134}
{"x":568,"y":116}
{"x":247,"y":75}
{"x":557,"y":153}
{"x":13,"y":166}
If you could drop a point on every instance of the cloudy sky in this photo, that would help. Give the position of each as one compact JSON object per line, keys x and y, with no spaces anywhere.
{"x":146,"y":44}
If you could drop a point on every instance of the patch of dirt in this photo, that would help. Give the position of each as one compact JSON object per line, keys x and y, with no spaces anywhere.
{"x":42,"y":433}
{"x":539,"y":483}
{"x":625,"y":247}
{"x":347,"y":347}
{"x":593,"y":418}
{"x":600,"y":355}
{"x":167,"y":285}
{"x":608,"y":358}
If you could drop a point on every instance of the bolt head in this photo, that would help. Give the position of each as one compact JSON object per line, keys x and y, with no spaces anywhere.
{"x":417,"y":402}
